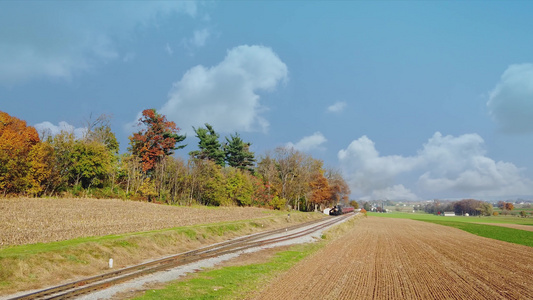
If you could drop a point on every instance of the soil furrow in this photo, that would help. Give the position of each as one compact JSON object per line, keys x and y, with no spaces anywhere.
{"x":384,"y":258}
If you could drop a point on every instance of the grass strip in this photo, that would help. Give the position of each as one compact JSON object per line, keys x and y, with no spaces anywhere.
{"x":511,"y":235}
{"x":28,"y":266}
{"x":191,"y":231}
{"x":241,"y":282}
{"x":425,"y":216}
{"x":234,"y":282}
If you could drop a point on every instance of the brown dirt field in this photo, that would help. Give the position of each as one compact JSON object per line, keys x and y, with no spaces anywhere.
{"x":385,"y":258}
{"x":28,"y":221}
{"x":514,"y":226}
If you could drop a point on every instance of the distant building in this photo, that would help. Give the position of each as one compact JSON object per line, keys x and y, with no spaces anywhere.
{"x":449,"y":214}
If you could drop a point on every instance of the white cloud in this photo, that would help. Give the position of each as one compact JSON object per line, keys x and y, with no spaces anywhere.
{"x":337,"y":107}
{"x":168,"y":49}
{"x":309,"y":142}
{"x":459,"y":164}
{"x":200,"y":37}
{"x":198,"y":40}
{"x":395,"y":193}
{"x":446,"y":166}
{"x":47,"y":128}
{"x":367,"y":171}
{"x":58,"y":40}
{"x":225,"y":95}
{"x":511,"y":101}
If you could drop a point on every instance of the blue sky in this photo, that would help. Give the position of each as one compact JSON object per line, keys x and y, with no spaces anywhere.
{"x":410,"y":100}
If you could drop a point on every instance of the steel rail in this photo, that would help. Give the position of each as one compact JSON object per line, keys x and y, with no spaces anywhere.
{"x":85,"y":281}
{"x":106,"y":280}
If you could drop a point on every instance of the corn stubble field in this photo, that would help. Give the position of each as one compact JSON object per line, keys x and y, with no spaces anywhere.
{"x":28,"y":221}
{"x":386,"y":258}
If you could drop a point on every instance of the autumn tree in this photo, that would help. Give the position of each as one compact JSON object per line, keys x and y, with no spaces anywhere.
{"x":171,"y":182}
{"x":470,"y":206}
{"x":354,"y":204}
{"x":209,"y":146}
{"x":505,"y":207}
{"x":486,"y":209}
{"x":239,"y":186}
{"x":320,"y":190}
{"x":267,"y":171}
{"x":99,"y":131}
{"x":237,"y":153}
{"x":91,"y":164}
{"x":16,"y":142}
{"x":340,"y":191}
{"x":157,"y":140}
{"x":80,"y":162}
{"x":288,"y":163}
{"x":44,"y":179}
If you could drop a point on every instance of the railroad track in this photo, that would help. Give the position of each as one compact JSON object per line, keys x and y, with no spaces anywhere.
{"x":103,"y":281}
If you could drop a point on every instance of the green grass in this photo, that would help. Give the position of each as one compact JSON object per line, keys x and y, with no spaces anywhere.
{"x":470,"y":224}
{"x":425,"y":216}
{"x":119,"y":240}
{"x":239,"y":282}
{"x":18,"y":263}
{"x":232,"y":282}
{"x":511,"y":235}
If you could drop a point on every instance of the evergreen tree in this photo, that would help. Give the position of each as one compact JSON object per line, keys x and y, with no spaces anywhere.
{"x":238,"y":153}
{"x":210,"y":147}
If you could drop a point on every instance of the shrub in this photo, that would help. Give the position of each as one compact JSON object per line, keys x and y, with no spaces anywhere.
{"x":278,"y":203}
{"x":363,"y":211}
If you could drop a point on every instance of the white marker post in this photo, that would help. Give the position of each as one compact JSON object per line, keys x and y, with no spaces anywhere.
{"x":111,"y":263}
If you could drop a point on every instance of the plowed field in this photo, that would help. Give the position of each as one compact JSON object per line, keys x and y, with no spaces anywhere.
{"x":384,"y":258}
{"x":27,"y":221}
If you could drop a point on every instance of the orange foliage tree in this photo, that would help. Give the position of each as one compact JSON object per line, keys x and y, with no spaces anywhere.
{"x":16,"y":142}
{"x":320,"y":190}
{"x":157,"y":140}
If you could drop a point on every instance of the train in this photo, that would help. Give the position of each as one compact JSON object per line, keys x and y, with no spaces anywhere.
{"x":340,"y":209}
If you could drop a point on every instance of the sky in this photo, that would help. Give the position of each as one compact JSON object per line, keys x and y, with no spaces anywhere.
{"x":410,"y":100}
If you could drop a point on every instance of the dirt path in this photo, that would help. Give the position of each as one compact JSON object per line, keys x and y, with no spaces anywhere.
{"x":514,"y":226}
{"x":386,"y":258}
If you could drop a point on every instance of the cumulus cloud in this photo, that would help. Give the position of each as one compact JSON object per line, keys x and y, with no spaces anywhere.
{"x":337,"y":107}
{"x":459,"y":164}
{"x":46,"y":128}
{"x":395,"y":193}
{"x":309,"y":143}
{"x":58,"y":40}
{"x":368,"y":171}
{"x":446,"y":166}
{"x":511,"y":101}
{"x":225,"y":95}
{"x":200,"y":37}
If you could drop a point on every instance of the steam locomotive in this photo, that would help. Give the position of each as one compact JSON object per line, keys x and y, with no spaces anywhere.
{"x":339,"y":210}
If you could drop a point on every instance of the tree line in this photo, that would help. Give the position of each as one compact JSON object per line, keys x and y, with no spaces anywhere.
{"x":471,"y":207}
{"x":218,"y":173}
